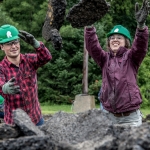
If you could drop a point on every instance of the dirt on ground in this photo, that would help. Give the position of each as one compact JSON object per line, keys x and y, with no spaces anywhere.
{"x":90,"y":130}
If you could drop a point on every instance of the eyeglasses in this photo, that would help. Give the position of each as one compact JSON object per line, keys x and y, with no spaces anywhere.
{"x":15,"y":42}
{"x":118,"y":37}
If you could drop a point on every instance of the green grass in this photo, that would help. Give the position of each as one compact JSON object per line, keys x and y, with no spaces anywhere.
{"x":145,"y":111}
{"x":53,"y":108}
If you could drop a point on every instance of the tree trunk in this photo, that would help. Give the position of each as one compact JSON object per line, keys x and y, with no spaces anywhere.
{"x":85,"y":71}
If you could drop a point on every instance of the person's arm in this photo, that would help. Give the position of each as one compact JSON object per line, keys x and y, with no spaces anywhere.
{"x":92,"y":45}
{"x":140,"y":43}
{"x":42,"y":56}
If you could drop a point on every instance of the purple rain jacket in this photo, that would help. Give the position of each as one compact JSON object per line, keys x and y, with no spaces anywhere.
{"x":120,"y":92}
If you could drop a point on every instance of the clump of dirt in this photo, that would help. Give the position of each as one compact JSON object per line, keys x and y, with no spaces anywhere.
{"x":53,"y":22}
{"x":87,"y":12}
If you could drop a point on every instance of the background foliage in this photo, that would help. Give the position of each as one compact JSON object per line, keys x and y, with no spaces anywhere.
{"x":61,"y":79}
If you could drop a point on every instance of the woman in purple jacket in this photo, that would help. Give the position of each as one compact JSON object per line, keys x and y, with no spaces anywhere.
{"x":121,"y":96}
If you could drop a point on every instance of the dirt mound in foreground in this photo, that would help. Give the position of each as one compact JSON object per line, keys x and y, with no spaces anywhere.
{"x":90,"y":130}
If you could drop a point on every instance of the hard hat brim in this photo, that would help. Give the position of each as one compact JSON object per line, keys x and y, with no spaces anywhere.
{"x":9,"y":39}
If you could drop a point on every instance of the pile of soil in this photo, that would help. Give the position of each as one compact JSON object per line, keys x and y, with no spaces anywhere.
{"x":90,"y":130}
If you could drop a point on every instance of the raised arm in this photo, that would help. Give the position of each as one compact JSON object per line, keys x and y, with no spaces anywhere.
{"x":140,"y":43}
{"x":93,"y":45}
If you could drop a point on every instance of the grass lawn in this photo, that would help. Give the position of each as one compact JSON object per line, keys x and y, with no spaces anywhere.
{"x":52,"y":109}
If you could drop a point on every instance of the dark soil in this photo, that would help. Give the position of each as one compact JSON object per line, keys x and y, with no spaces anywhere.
{"x":90,"y":130}
{"x":53,"y":22}
{"x":146,"y":119}
{"x":46,"y":117}
{"x":87,"y":12}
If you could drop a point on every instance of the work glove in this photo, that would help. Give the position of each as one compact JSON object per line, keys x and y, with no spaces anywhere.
{"x":141,"y":15}
{"x":10,"y":87}
{"x":29,"y":38}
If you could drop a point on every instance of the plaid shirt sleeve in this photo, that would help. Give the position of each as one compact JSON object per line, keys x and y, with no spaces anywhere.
{"x":42,"y":56}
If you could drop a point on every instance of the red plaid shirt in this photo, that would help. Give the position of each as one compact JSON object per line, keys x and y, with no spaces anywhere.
{"x":26,"y":78}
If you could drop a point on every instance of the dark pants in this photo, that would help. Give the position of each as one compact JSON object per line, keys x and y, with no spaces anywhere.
{"x":1,"y":110}
{"x":1,"y":114}
{"x":41,"y":122}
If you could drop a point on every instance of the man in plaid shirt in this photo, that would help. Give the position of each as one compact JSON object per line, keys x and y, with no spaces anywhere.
{"x":18,"y":73}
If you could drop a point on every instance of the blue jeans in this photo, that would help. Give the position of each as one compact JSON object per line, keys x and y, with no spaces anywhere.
{"x":41,"y":122}
{"x":134,"y":119}
{"x":1,"y":114}
{"x":101,"y":106}
{"x":2,"y":111}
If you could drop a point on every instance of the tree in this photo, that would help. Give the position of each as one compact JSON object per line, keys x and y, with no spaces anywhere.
{"x":61,"y":79}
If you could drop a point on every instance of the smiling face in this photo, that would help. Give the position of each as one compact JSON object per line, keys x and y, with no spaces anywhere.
{"x":116,"y":41}
{"x":11,"y":49}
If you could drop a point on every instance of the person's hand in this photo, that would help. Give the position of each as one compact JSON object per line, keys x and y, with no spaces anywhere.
{"x":29,"y":38}
{"x":10,"y":87}
{"x":141,"y":15}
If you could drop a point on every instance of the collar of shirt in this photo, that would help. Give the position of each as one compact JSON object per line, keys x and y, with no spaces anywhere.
{"x":9,"y":63}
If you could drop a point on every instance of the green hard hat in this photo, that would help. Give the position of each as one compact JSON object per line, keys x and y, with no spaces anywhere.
{"x":8,"y":33}
{"x":1,"y":100}
{"x":119,"y":29}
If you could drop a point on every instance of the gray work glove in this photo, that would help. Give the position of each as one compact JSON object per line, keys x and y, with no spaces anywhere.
{"x":29,"y":38}
{"x":141,"y":15}
{"x":10,"y":87}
